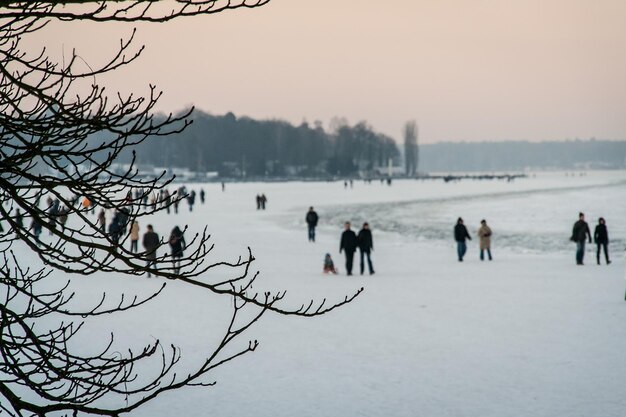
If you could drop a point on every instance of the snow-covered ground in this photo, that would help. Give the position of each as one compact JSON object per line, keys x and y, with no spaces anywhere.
{"x":529,"y":334}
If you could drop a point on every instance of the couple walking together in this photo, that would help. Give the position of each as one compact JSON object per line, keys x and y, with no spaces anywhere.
{"x":581,"y":232}
{"x":461,"y":234}
{"x":350,"y":241}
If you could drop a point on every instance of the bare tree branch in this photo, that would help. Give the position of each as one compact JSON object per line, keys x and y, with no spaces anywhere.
{"x":58,"y":145}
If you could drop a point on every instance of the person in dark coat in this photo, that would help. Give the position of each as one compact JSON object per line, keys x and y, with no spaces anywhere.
{"x":19,"y":219}
{"x":36,"y":227}
{"x":329,"y":265}
{"x":63,"y":213}
{"x":123,"y":218}
{"x":150,"y":244}
{"x":580,"y":233}
{"x":115,"y":230}
{"x":191,"y":199}
{"x":102,"y":220}
{"x":366,"y":245}
{"x":460,"y":234}
{"x":177,"y":245}
{"x":54,"y":212}
{"x":311,"y":221}
{"x":601,"y":237}
{"x":349,"y":243}
{"x":202,"y":195}
{"x":167,"y":200}
{"x":176,"y":200}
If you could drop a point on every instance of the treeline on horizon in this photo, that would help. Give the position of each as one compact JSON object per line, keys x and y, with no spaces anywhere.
{"x":520,"y":155}
{"x":237,"y":146}
{"x":241,"y":146}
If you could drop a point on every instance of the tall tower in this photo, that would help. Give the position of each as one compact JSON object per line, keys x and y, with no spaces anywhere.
{"x":410,"y":148}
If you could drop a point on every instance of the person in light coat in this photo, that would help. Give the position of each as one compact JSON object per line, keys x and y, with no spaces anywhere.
{"x":134,"y":236}
{"x":484,"y":234}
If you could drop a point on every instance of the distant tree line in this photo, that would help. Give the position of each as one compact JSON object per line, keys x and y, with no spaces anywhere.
{"x":244,"y":147}
{"x":241,"y":146}
{"x":515,"y":156}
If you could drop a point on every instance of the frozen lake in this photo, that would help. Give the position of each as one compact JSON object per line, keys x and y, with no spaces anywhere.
{"x":529,"y":334}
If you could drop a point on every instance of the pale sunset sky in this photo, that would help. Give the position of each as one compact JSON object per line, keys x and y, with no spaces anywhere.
{"x":464,"y":69}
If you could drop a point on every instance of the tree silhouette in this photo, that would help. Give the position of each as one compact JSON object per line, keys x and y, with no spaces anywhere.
{"x":57,"y":150}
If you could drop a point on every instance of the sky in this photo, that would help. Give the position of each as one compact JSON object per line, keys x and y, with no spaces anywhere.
{"x":464,"y":70}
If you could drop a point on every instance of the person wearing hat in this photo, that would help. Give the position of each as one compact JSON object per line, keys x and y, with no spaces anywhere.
{"x":484,"y":234}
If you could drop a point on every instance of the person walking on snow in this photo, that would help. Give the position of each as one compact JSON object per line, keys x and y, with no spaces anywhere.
{"x":177,"y":245}
{"x":102,"y":220}
{"x":150,"y":244}
{"x":580,"y":233}
{"x":191,"y":199}
{"x":311,"y":221}
{"x":366,"y":246}
{"x":349,"y":243}
{"x":601,"y":237}
{"x":36,"y":227}
{"x":134,"y":236}
{"x":167,"y":200}
{"x":460,"y":234}
{"x":19,"y":219}
{"x":484,"y":234}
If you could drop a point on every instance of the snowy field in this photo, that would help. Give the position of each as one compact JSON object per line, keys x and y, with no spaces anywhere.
{"x":529,"y":334}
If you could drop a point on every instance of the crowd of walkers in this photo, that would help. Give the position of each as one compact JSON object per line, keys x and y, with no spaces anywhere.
{"x":350,"y":242}
{"x":151,"y":244}
{"x":581,"y":234}
{"x":121,"y":226}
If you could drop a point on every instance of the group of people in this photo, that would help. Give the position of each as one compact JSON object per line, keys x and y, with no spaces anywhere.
{"x":121,"y":223}
{"x":348,"y":244}
{"x":151,"y":243}
{"x":167,"y":199}
{"x":580,"y":234}
{"x":116,"y":228}
{"x":461,"y":235}
{"x":261,"y":201}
